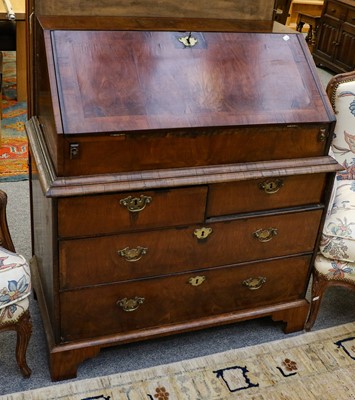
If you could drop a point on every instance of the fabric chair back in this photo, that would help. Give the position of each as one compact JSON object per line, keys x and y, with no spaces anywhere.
{"x":342,"y":96}
{"x":15,"y":278}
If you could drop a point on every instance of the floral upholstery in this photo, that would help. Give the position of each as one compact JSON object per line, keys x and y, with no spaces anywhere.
{"x":338,"y":238}
{"x":335,"y":269}
{"x":15,"y":286}
{"x":343,"y":144}
{"x":12,"y":313}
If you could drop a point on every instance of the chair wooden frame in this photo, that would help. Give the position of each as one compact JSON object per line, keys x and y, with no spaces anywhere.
{"x":319,"y":286}
{"x":23,"y":326}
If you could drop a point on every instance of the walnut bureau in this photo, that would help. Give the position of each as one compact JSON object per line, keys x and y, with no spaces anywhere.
{"x":178,"y":181}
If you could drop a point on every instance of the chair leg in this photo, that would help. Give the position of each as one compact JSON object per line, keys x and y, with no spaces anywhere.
{"x":319,"y":285}
{"x":24,"y":331}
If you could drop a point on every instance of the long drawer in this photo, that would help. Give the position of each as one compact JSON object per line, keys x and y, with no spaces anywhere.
{"x":140,"y":304}
{"x":93,"y":261}
{"x":178,"y":148}
{"x":105,"y":214}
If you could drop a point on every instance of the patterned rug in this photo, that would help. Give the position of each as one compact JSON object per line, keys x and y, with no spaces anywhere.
{"x":318,"y":365}
{"x":14,"y":149}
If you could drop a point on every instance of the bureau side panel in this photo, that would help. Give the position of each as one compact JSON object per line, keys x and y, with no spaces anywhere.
{"x":43,"y":242}
{"x":45,"y":103}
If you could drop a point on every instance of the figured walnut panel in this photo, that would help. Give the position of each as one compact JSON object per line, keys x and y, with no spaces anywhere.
{"x":113,"y":81}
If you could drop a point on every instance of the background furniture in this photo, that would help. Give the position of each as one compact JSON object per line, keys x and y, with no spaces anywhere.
{"x":335,"y":265}
{"x":19,"y":7}
{"x":282,"y":8}
{"x":15,"y":287}
{"x":335,"y":48}
{"x":310,"y":7}
{"x":313,"y":22}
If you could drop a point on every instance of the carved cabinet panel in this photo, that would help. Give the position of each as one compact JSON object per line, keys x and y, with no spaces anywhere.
{"x":335,"y":47}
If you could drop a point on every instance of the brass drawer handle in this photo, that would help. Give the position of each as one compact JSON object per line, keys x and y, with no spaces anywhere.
{"x":133,"y":255}
{"x":265,"y":235}
{"x":196,"y":280}
{"x":271,"y":186}
{"x":202,"y":233}
{"x":136,"y":204}
{"x":254,"y":283}
{"x":129,"y":305}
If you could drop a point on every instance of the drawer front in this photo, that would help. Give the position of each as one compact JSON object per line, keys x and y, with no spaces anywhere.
{"x":91,"y":215}
{"x":351,"y":17}
{"x":137,"y":152}
{"x":336,"y":10}
{"x":265,"y":194}
{"x":157,"y":302}
{"x":93,"y":261}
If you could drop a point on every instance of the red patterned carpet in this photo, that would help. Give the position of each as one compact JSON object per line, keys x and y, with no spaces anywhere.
{"x":14,"y":148}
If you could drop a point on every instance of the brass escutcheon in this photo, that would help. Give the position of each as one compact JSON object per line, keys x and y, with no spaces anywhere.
{"x":129,"y":305}
{"x":134,"y":254}
{"x":188,"y":41}
{"x":202,"y":233}
{"x":136,"y":204}
{"x":197,"y":280}
{"x":271,"y":186}
{"x":265,"y":235}
{"x":254,"y":283}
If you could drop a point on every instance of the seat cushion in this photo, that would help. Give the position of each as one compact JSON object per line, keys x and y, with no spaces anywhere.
{"x":15,"y":278}
{"x":12,"y":313}
{"x":335,"y":269}
{"x":338,"y":238}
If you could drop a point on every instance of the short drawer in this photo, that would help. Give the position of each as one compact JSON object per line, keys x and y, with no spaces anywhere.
{"x":181,"y":298}
{"x":91,"y":261}
{"x":336,"y":10}
{"x":265,"y":194}
{"x":105,"y":214}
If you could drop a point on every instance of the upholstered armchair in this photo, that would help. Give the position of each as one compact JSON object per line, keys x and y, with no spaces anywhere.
{"x":15,"y":288}
{"x":335,"y":263}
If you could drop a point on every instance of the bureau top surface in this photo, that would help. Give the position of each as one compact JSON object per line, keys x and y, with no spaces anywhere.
{"x":121,"y":81}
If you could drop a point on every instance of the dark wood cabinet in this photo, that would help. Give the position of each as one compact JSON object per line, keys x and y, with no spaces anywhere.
{"x":282,"y":8}
{"x":165,"y":175}
{"x":335,"y":47}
